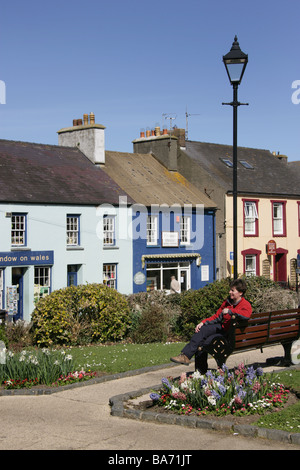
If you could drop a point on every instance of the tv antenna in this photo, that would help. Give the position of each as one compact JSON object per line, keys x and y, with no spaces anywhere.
{"x":171,"y":116}
{"x":186,"y":122}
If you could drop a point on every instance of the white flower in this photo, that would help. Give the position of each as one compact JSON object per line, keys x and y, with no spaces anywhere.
{"x":211,"y":400}
{"x":175,"y":389}
{"x":197,"y":375}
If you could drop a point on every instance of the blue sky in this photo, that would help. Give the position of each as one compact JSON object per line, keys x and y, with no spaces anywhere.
{"x":132,"y":61}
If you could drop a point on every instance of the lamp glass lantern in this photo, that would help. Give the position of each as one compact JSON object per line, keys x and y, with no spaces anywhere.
{"x":235,"y":63}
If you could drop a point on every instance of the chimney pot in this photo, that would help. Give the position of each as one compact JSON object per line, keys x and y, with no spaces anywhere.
{"x":85,"y":119}
{"x":92,"y":118}
{"x":157,"y":130}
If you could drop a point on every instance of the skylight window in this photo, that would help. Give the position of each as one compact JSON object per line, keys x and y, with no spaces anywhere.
{"x":227,"y":162}
{"x":246,"y":164}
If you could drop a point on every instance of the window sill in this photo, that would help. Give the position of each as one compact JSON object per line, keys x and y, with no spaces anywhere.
{"x":20,"y":248}
{"x":113,"y":247}
{"x":74,"y":248}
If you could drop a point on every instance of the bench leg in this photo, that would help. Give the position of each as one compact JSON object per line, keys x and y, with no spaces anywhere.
{"x":287,"y":360}
{"x":201,"y":361}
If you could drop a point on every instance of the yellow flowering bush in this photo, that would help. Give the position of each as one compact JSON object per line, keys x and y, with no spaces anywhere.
{"x":80,"y":315}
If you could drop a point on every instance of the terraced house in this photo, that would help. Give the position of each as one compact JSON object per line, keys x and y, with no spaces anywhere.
{"x":76,"y":213}
{"x":268,"y":201}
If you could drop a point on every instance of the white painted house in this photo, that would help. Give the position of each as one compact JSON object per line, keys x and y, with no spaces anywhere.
{"x":59,"y":219}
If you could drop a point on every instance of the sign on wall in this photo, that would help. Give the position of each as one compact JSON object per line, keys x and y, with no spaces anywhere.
{"x":170,"y":239}
{"x":25,"y":258}
{"x":271,"y":247}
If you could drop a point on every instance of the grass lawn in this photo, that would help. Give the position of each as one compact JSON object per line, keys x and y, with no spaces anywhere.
{"x":287,"y":419}
{"x":123,"y":357}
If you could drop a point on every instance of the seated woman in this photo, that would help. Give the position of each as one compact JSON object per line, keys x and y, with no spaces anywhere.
{"x":219,"y":322}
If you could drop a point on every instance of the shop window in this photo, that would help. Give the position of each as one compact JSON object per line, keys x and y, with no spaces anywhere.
{"x":159,"y":275}
{"x":41,"y":282}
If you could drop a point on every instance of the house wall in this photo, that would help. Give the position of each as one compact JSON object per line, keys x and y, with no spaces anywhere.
{"x":46,"y":241}
{"x":288,"y":246}
{"x":200,"y":269}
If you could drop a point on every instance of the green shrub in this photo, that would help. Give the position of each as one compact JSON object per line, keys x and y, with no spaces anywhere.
{"x":80,"y":315}
{"x":154,"y":316}
{"x":19,"y":335}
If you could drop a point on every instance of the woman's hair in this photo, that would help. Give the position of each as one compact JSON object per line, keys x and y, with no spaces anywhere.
{"x":240,"y":285}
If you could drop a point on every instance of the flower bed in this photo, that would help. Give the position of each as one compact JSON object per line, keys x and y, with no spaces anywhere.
{"x":39,"y":368}
{"x":242,"y":391}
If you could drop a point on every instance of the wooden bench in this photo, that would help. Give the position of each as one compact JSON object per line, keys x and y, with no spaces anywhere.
{"x":261,"y":330}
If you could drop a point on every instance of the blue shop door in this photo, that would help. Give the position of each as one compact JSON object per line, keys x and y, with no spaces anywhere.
{"x":72,"y":275}
{"x":18,"y":281}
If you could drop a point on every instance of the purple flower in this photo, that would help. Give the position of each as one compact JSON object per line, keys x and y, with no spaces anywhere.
{"x":259,"y":371}
{"x":166,"y":383}
{"x":154,"y":396}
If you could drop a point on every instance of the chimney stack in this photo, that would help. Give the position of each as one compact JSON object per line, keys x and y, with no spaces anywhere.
{"x":88,"y":137}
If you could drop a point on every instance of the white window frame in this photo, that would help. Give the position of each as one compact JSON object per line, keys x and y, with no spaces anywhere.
{"x":278,"y":226}
{"x":251,"y":215}
{"x":152,"y":229}
{"x":109,"y":230}
{"x":185,"y":230}
{"x":73,"y":230}
{"x":18,"y":229}
{"x":110,"y":275}
{"x":162,"y":266}
{"x":250,"y":271}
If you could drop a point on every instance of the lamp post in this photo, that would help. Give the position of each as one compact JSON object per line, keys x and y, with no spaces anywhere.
{"x":235,"y":63}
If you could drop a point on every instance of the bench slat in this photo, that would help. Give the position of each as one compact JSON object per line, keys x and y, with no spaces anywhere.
{"x":245,"y":344}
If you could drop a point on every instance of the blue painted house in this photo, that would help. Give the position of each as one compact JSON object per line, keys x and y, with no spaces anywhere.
{"x":173,"y":224}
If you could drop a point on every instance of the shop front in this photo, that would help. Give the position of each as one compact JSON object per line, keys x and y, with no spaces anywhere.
{"x":25,"y":277}
{"x":158,"y":270}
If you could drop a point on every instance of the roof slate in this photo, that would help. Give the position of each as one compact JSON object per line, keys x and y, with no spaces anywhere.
{"x":38,"y":173}
{"x":149,"y":182}
{"x":270,"y":175}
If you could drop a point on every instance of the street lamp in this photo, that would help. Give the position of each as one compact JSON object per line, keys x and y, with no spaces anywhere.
{"x":235,"y":63}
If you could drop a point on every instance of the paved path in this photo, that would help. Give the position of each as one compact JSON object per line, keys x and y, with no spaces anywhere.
{"x":80,"y":419}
